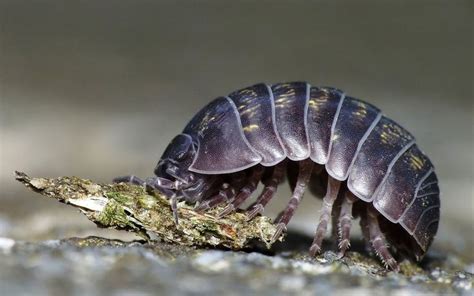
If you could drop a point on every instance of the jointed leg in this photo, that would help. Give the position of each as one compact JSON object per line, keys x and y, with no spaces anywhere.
{"x":268,"y":191}
{"x":345,"y":221}
{"x":225,"y":194}
{"x":304,"y":174}
{"x":245,"y":192}
{"x":377,"y":238}
{"x":174,"y":208}
{"x":328,"y":201}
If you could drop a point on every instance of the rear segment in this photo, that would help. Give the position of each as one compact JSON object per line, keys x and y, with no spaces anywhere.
{"x":398,"y":190}
{"x":409,"y":195}
{"x":422,"y":217}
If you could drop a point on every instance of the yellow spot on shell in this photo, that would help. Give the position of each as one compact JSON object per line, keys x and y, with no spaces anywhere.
{"x":251,"y":127}
{"x":416,"y":162}
{"x":391,"y":134}
{"x":316,"y":103}
{"x":250,"y":111}
{"x":385,"y":138}
{"x":362,"y":113}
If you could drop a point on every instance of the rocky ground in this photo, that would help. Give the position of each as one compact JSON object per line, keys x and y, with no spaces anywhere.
{"x":98,"y":266}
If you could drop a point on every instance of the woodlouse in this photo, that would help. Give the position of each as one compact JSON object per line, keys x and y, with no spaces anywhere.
{"x":373,"y":167}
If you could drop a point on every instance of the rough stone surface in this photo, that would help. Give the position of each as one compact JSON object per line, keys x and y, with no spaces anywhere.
{"x":97,"y":266}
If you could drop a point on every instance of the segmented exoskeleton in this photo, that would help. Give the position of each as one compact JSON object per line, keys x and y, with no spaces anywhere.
{"x":373,"y":167}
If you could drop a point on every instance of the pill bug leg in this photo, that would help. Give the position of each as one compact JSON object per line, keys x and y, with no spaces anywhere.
{"x":345,"y":222}
{"x":226,"y":192}
{"x":268,"y":192}
{"x":245,"y":192}
{"x":304,"y":174}
{"x":378,"y":240}
{"x":328,"y":201}
{"x":174,"y":208}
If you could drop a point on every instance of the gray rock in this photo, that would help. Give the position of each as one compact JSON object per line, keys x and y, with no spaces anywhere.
{"x":98,"y":266}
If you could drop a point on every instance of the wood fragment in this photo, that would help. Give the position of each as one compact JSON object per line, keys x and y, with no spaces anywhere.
{"x":132,"y":208}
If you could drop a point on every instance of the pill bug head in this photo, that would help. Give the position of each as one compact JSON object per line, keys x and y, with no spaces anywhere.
{"x":173,"y":175}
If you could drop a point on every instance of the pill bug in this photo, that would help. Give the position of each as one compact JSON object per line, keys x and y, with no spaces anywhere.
{"x":371,"y":165}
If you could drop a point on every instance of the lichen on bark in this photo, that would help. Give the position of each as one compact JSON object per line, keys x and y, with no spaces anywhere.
{"x":148,"y":214}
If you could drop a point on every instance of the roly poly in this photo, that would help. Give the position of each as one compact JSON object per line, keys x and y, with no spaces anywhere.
{"x":372,"y":166}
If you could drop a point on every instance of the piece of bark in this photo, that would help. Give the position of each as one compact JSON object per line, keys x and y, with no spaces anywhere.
{"x":132,"y":208}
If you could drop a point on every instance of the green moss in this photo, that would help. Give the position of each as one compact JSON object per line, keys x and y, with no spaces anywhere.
{"x":121,"y":198}
{"x":114,"y":215}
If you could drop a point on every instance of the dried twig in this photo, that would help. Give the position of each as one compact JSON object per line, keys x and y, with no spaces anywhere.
{"x":132,"y":208}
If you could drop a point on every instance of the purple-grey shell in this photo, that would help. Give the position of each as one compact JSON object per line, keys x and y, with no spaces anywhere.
{"x":323,"y":106}
{"x":222,"y":145}
{"x":256,"y":108}
{"x":291,"y":106}
{"x":379,"y":159}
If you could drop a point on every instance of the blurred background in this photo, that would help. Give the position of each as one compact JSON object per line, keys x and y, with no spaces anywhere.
{"x":98,"y":88}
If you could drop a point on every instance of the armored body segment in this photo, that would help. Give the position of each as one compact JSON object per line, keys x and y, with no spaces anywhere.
{"x":322,"y":108}
{"x":290,"y":115}
{"x":222,"y":146}
{"x":429,"y":184}
{"x":354,"y":122}
{"x":398,"y":189}
{"x":426,"y":198}
{"x":428,"y":189}
{"x":382,"y":147}
{"x":427,"y":228}
{"x":257,"y":114}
